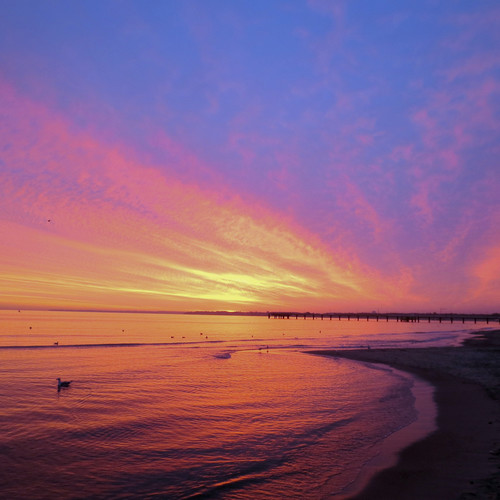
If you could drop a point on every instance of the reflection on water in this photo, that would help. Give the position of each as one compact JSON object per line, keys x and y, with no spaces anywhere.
{"x":59,"y":329}
{"x":242,"y":414}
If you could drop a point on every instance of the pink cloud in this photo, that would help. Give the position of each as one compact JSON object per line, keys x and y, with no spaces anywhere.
{"x":126,"y":234}
{"x":355,"y":200}
{"x":486,"y":274}
{"x":402,"y":152}
{"x":473,"y":66}
{"x":440,"y":159}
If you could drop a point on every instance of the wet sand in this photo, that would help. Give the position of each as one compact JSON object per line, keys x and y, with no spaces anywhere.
{"x":461,"y":459}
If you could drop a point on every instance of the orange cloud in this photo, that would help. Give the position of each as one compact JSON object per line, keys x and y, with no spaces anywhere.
{"x":487,"y":275}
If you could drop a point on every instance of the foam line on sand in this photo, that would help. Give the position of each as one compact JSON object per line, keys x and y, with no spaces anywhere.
{"x":461,"y":458}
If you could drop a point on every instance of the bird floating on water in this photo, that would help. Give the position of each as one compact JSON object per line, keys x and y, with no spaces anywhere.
{"x":62,"y":383}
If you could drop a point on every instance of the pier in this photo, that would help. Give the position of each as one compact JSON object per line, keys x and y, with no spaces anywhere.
{"x":403,"y":317}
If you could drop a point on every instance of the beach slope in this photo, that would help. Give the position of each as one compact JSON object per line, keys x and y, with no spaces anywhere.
{"x":461,"y":459}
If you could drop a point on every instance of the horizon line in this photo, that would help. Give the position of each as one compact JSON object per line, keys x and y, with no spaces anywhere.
{"x":251,"y":313}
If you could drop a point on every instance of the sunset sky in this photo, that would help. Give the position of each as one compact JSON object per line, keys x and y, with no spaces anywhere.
{"x":250,"y":155}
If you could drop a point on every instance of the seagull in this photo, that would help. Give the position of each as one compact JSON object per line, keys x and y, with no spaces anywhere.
{"x":61,"y":383}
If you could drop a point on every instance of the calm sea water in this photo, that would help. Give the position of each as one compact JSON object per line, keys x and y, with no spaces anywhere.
{"x":181,"y":406}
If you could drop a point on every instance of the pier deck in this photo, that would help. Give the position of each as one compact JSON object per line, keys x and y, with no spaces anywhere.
{"x":406,"y":317}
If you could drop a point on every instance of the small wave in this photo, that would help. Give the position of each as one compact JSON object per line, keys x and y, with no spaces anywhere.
{"x":222,"y":355}
{"x":93,"y":346}
{"x":248,"y":474}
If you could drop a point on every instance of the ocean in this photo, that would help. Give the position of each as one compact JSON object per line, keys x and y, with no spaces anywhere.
{"x":201,"y":406}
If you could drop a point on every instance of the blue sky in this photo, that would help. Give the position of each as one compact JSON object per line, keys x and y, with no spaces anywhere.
{"x":367,"y":131}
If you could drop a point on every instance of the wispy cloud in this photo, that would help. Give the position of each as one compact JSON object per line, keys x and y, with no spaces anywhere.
{"x":89,"y":218}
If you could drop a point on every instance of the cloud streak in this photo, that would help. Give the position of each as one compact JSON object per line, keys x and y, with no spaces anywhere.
{"x":126,"y":231}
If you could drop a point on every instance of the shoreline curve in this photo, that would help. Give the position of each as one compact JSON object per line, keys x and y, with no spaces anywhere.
{"x":461,"y":458}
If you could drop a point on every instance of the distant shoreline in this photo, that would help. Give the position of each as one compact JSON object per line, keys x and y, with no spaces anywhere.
{"x":334,"y":315}
{"x":134,"y":311}
{"x":461,"y":458}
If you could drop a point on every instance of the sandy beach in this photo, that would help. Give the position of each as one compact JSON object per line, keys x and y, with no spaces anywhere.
{"x":461,"y":459}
